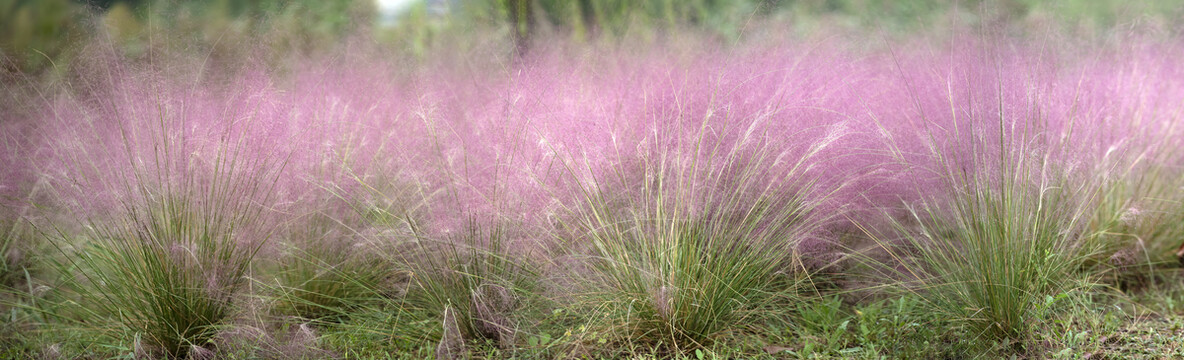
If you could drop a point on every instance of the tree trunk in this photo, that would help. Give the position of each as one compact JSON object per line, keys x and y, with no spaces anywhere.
{"x":522,"y":23}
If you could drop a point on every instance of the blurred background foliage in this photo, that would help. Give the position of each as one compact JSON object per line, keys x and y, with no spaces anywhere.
{"x":37,"y":35}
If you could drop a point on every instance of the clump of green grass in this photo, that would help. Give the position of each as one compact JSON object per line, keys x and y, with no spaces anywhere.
{"x":159,"y":262}
{"x":686,"y":288}
{"x":1008,"y":230}
{"x":1136,"y":219}
{"x":489,"y":289}
{"x":327,"y":284}
{"x":998,"y":254}
{"x":166,"y":275}
{"x":328,"y":274}
{"x":696,"y":241}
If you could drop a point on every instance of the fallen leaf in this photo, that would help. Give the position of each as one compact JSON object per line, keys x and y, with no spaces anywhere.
{"x":773,"y":349}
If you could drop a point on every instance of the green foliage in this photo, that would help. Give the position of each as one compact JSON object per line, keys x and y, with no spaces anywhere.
{"x":35,"y":33}
{"x":1101,"y":14}
{"x":617,"y":17}
{"x":896,"y":328}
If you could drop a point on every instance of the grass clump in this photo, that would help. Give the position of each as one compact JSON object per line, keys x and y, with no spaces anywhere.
{"x":698,"y":239}
{"x":996,"y":258}
{"x":1135,"y":220}
{"x":1009,"y":232}
{"x":164,"y":253}
{"x":168,"y":276}
{"x":473,"y":275}
{"x":328,"y":275}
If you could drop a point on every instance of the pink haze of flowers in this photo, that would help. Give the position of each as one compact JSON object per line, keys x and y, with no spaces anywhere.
{"x":520,"y":140}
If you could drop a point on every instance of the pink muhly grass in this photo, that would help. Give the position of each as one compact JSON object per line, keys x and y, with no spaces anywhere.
{"x":579,"y":149}
{"x":1024,"y":160}
{"x":172,"y":185}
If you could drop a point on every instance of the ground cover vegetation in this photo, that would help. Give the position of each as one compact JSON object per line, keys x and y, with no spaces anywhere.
{"x":591,"y":180}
